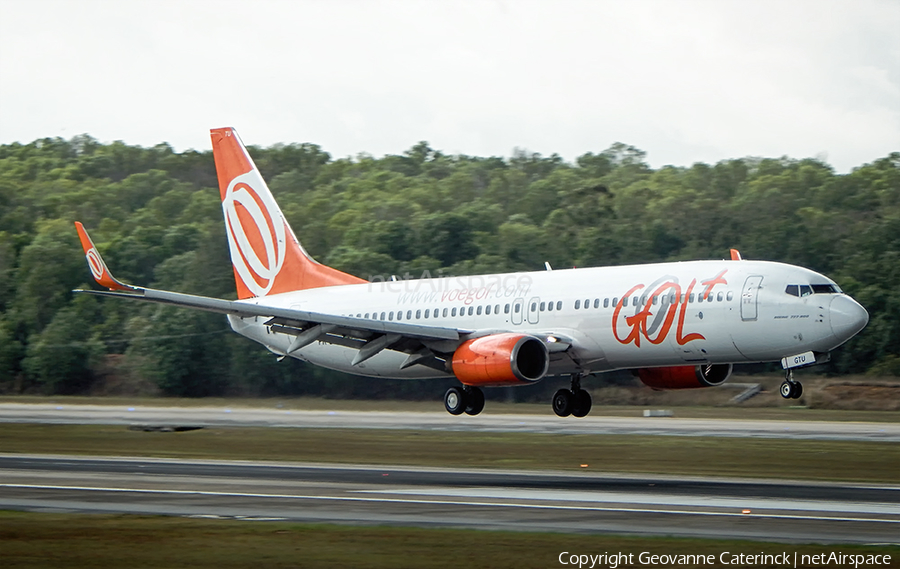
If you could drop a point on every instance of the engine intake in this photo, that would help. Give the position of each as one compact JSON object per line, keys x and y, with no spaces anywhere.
{"x":685,"y":377}
{"x":501,"y":359}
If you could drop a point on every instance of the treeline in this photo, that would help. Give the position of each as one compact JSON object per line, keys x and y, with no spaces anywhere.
{"x":156,"y":217}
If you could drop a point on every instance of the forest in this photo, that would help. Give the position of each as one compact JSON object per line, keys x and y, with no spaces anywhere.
{"x":155,"y":216}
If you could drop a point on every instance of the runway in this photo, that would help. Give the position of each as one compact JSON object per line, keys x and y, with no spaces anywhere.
{"x":440,"y":420}
{"x":430,"y":497}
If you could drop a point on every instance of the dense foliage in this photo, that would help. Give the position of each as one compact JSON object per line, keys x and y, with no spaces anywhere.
{"x":155,"y":215}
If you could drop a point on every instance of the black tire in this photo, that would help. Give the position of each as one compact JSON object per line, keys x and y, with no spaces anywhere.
{"x":455,"y":401}
{"x":797,"y":390}
{"x":787,"y":389}
{"x":562,"y":403}
{"x":474,"y":400}
{"x":582,"y":405}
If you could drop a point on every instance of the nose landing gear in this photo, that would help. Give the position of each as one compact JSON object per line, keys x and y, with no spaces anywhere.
{"x":791,"y":389}
{"x":575,"y":401}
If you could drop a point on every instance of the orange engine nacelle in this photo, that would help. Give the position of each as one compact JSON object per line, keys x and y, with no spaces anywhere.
{"x":685,"y":377}
{"x":500,"y":359}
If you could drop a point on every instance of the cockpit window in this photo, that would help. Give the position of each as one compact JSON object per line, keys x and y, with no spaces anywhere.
{"x":806,"y":290}
{"x":826,"y":289}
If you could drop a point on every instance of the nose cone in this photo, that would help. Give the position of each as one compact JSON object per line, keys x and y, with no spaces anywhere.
{"x":848,"y":317}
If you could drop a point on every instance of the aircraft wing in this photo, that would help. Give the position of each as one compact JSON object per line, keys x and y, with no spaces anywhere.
{"x":369,"y":337}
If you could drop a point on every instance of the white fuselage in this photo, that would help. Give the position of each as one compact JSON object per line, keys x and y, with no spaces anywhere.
{"x":666,"y":314}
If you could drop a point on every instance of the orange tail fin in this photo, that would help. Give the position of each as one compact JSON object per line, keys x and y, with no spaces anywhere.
{"x":266,"y":255}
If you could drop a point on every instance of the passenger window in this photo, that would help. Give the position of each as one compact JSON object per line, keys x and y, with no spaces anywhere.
{"x":497,"y":309}
{"x":550,"y":306}
{"x":578,"y":304}
{"x":587,"y":303}
{"x":445,"y":313}
{"x":367,"y":315}
{"x":409,"y":314}
{"x":559,"y":305}
{"x":634,"y":301}
{"x":691,"y":298}
{"x":471,"y":310}
{"x":506,"y":309}
{"x":615,"y":302}
{"x":543,"y":304}
{"x":418,"y":314}
{"x":533,"y":306}
{"x":487,"y":310}
{"x":453,"y":312}
{"x":391,"y":315}
{"x":382,"y":315}
{"x":729,"y":296}
{"x":605,"y":303}
{"x":655,"y":299}
{"x":427,"y":310}
{"x":719,"y":297}
{"x":478,"y":311}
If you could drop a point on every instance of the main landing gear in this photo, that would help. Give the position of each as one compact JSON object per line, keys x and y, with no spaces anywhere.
{"x":465,"y":399}
{"x":791,"y":389}
{"x":575,"y":401}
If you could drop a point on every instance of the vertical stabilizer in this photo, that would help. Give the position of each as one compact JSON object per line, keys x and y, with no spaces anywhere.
{"x":266,"y":255}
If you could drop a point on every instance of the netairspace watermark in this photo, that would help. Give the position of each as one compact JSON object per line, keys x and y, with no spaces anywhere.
{"x":783,"y":559}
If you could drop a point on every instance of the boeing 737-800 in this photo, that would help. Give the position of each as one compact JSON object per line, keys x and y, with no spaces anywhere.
{"x":678,"y":325}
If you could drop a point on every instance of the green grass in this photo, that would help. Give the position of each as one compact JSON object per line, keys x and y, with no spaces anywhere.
{"x":700,"y":456}
{"x":87,"y":540}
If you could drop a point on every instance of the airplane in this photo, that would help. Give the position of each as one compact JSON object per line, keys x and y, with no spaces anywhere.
{"x":677,"y":325}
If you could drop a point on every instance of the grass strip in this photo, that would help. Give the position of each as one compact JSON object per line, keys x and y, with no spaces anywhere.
{"x":101,"y":540}
{"x":868,"y":461}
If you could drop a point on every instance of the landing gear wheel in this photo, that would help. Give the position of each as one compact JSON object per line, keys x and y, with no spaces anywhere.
{"x":582,"y":405}
{"x":455,"y":401}
{"x":563,"y":402}
{"x":787,"y":389}
{"x":791,"y":389}
{"x":474,"y":400}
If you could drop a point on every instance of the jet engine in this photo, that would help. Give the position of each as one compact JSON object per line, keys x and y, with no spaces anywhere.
{"x":500,"y":359}
{"x":685,"y":377}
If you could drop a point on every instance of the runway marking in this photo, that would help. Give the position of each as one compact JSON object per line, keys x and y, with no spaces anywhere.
{"x":446,"y":503}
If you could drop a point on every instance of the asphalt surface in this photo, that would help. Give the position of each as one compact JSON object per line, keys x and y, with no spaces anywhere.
{"x":431,"y":497}
{"x":440,"y":420}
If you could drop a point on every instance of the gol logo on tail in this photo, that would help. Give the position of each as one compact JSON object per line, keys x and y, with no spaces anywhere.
{"x":94,"y":263}
{"x":256,"y":233}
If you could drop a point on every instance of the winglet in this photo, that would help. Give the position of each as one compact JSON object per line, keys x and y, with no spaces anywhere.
{"x":735,"y":255}
{"x":95,"y":262}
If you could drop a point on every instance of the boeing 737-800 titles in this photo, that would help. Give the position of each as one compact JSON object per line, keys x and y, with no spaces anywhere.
{"x":678,"y":325}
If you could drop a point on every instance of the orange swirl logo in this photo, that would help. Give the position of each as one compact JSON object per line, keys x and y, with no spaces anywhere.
{"x":256,"y":232}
